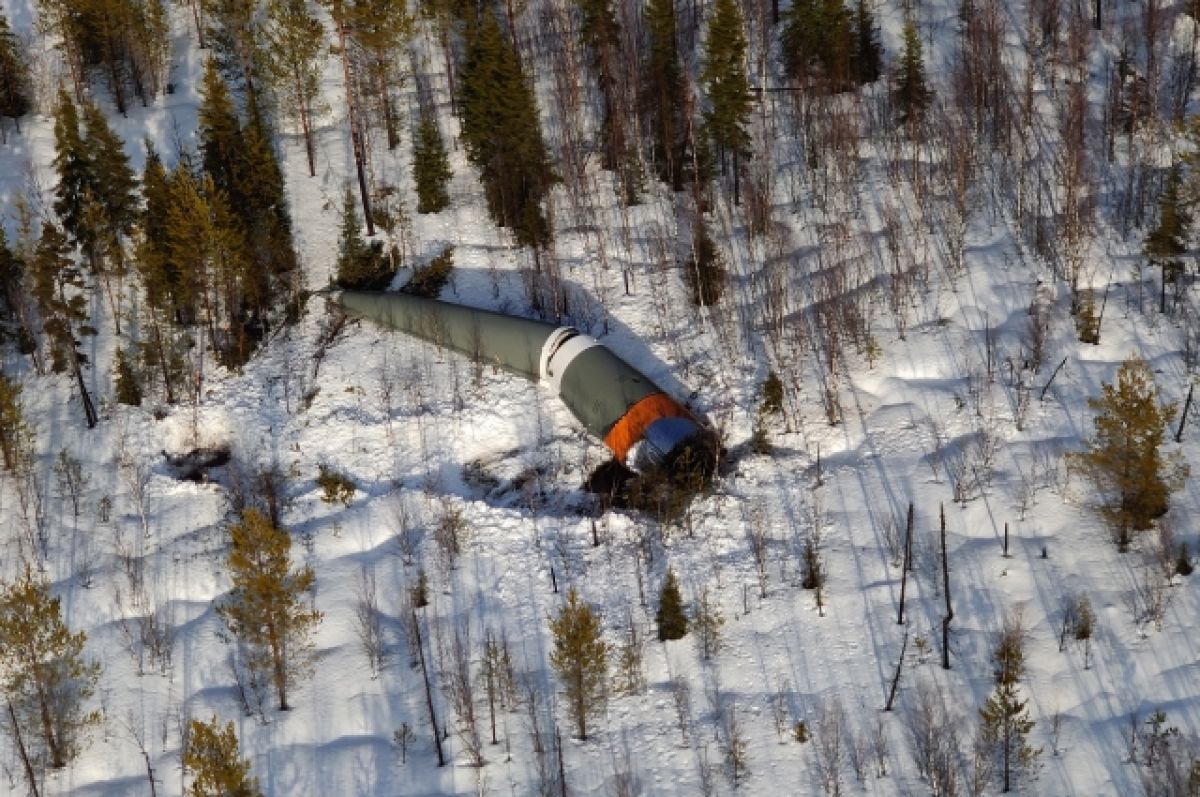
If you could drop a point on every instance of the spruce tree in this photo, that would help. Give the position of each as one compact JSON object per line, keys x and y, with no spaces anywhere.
{"x":818,"y":46}
{"x":910,"y":92}
{"x":12,"y":293}
{"x":45,"y":676}
{"x":670,"y":618}
{"x":502,"y":133}
{"x":704,"y":269}
{"x":15,"y":91}
{"x":214,"y":759}
{"x":114,"y":184}
{"x":1004,"y":717}
{"x":126,"y":383}
{"x":265,"y":610}
{"x":359,"y":265}
{"x":1167,"y":242}
{"x":1123,"y":458}
{"x":725,"y":82}
{"x":580,"y":657}
{"x":661,"y":93}
{"x":868,"y":52}
{"x":75,"y":190}
{"x":431,"y":167}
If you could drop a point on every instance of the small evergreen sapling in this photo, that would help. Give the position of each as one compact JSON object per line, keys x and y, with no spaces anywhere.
{"x":671,"y":619}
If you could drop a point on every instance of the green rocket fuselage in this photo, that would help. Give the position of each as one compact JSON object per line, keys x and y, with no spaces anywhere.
{"x":612,"y":399}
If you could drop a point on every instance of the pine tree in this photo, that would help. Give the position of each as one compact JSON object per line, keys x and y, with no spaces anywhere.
{"x":220,"y":132}
{"x":580,"y":657}
{"x":45,"y":677}
{"x":502,"y":134}
{"x":1124,"y":458}
{"x":15,"y":435}
{"x":377,"y":28}
{"x":213,"y":758}
{"x":910,"y":92}
{"x":1167,"y":242}
{"x":431,"y":167}
{"x":295,"y":42}
{"x":670,"y":618}
{"x":724,"y":79}
{"x":661,"y":93}
{"x":265,"y":609}
{"x":15,"y":91}
{"x":359,"y":265}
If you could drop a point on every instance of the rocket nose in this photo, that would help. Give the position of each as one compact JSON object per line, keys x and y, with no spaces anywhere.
{"x":674,"y":444}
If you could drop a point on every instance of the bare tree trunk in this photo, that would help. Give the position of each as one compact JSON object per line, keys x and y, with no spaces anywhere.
{"x":29,"y":773}
{"x":907,"y":563}
{"x":946,"y":589}
{"x":437,"y":736}
{"x":356,"y":142}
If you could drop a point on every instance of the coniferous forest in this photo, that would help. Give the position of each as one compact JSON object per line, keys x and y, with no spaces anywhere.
{"x":926,"y":268}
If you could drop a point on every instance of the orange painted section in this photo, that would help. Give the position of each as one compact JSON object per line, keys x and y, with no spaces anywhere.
{"x":632,"y":425}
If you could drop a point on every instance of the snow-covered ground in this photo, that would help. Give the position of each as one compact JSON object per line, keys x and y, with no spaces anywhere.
{"x":422,"y":434}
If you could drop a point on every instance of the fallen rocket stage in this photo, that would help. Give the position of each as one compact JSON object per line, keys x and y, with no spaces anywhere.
{"x":646,"y":430}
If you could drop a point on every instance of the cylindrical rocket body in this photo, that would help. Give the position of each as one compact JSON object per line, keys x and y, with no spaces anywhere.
{"x":512,"y":343}
{"x":612,"y":399}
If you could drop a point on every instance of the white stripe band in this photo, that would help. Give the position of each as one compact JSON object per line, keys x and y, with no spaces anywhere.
{"x":563,"y":346}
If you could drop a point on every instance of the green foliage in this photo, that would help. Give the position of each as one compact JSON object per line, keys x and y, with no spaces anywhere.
{"x":431,"y":167}
{"x":45,"y":677}
{"x":828,"y":46}
{"x":15,"y":90}
{"x":814,"y":572}
{"x":910,"y":89}
{"x":58,"y":290}
{"x":772,"y":395}
{"x":419,"y":592}
{"x":502,"y":133}
{"x":359,"y":265}
{"x":213,"y":758}
{"x":293,"y":47}
{"x":661,"y":93}
{"x":670,"y":618}
{"x":15,"y":435}
{"x":725,"y":82}
{"x":1183,"y":561}
{"x":114,"y":185}
{"x":1167,"y":242}
{"x":128,"y":385}
{"x":76,"y":183}
{"x":265,"y":609}
{"x":429,"y":279}
{"x":1087,"y":318}
{"x":1123,"y":457}
{"x":1004,"y":719}
{"x":1005,"y":726}
{"x":335,"y":487}
{"x":704,"y":270}
{"x":707,"y":622}
{"x":580,"y":658}
{"x":1085,"y":619}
